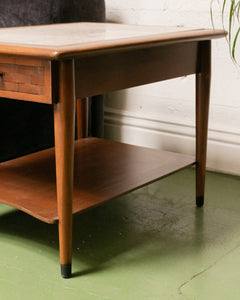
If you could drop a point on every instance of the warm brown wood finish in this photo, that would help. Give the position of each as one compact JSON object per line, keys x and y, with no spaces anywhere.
{"x":64,"y":124}
{"x":203,"y":78}
{"x":132,"y":68}
{"x":103,"y":170}
{"x":82,"y":118}
{"x":41,"y":64}
{"x":25,"y":79}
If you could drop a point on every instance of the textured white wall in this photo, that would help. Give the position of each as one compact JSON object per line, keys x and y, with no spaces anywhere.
{"x":162,"y":115}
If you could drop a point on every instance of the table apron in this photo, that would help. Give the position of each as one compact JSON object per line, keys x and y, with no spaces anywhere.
{"x":37,"y":80}
{"x":108,"y":72}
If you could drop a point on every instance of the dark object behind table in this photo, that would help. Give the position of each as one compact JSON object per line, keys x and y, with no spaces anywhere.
{"x":27,"y":127}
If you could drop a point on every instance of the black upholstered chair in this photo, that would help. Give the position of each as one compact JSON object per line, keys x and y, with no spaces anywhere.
{"x":27,"y":127}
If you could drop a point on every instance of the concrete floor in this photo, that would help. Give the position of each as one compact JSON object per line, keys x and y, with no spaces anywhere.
{"x":149,"y":244}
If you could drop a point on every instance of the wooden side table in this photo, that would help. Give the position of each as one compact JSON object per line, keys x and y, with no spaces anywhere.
{"x":55,"y":64}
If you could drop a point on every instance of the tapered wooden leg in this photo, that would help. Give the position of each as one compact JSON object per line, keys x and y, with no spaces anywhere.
{"x":203,"y":79}
{"x":82,"y":118}
{"x":97,"y":116}
{"x":64,"y":123}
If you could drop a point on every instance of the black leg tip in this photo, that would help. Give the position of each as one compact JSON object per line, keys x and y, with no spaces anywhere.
{"x":66,"y":270}
{"x":199,"y":201}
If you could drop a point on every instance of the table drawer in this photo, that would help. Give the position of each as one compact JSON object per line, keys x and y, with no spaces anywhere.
{"x":25,"y":79}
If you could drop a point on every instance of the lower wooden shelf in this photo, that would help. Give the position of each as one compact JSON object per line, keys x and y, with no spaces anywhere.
{"x":103,"y":170}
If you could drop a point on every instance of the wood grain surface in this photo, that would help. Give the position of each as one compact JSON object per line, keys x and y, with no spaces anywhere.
{"x":203,"y":81}
{"x":64,"y":132}
{"x":25,"y":78}
{"x":103,"y":170}
{"x":82,"y":118}
{"x":110,"y":72}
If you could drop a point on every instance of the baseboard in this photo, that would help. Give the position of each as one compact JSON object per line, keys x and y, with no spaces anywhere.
{"x":223,"y":147}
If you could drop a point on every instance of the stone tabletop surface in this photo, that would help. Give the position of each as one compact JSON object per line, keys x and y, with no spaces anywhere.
{"x":66,"y":39}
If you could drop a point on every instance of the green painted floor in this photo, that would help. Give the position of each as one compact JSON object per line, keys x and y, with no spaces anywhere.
{"x":149,"y":244}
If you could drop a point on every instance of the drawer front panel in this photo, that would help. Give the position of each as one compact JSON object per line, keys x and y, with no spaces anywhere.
{"x":25,"y":79}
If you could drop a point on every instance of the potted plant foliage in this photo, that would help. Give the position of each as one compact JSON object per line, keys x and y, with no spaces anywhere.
{"x":230,"y":14}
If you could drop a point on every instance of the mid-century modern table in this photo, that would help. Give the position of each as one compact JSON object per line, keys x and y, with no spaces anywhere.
{"x":57,"y":64}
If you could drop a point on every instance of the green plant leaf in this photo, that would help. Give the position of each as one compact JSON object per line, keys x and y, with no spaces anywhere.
{"x":234,"y":44}
{"x":231,"y":18}
{"x":223,"y":11}
{"x":232,"y":8}
{"x":211,"y":12}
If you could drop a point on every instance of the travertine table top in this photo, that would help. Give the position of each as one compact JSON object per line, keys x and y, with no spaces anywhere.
{"x":63,"y":39}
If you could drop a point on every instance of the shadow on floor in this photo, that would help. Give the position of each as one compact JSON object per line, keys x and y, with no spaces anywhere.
{"x":156,"y":215}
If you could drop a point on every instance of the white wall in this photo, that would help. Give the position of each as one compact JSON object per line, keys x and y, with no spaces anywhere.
{"x":162,"y":115}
